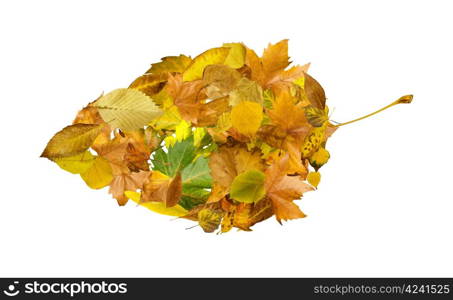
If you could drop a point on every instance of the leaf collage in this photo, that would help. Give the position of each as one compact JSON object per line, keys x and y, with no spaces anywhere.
{"x":226,"y":139}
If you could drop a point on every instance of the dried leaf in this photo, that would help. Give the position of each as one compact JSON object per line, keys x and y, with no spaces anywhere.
{"x":127,"y":109}
{"x":76,"y":164}
{"x":72,"y":140}
{"x":210,"y":57}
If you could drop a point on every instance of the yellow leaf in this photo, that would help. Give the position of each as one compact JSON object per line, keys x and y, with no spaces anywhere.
{"x":76,"y":164}
{"x":170,"y":141}
{"x":275,"y":57}
{"x":209,"y":57}
{"x":127,"y":109}
{"x":246,"y":90}
{"x":224,"y":122}
{"x":72,"y":140}
{"x":246,"y":117}
{"x":209,"y":219}
{"x":99,"y":174}
{"x":220,"y":79}
{"x":319,"y":158}
{"x":236,"y":56}
{"x":182,"y":131}
{"x":198,"y":136}
{"x":315,"y":116}
{"x":171,"y":64}
{"x":148,"y":83}
{"x":314,"y":178}
{"x":248,"y":187}
{"x":158,"y":207}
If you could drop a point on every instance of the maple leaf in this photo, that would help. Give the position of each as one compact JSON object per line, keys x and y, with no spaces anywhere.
{"x":283,"y":189}
{"x":161,"y":188}
{"x":288,"y":130}
{"x":127,"y":182}
{"x":187,"y":96}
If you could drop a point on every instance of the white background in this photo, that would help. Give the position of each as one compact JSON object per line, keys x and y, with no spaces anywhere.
{"x":383,"y":208}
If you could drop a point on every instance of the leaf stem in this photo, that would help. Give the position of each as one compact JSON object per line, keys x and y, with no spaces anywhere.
{"x":403,"y":99}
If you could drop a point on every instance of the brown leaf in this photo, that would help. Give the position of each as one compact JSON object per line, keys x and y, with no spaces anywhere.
{"x":228,"y":162}
{"x":314,"y":92}
{"x":174,"y":192}
{"x":187,"y":96}
{"x":283,"y":189}
{"x":220,"y":79}
{"x":126,"y":182}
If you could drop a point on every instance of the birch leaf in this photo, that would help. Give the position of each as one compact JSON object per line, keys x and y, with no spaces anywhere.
{"x":248,"y":187}
{"x":127,"y":109}
{"x":99,"y":174}
{"x":246,"y":117}
{"x":236,"y":55}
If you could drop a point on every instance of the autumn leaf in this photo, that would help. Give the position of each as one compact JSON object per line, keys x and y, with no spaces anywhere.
{"x":283,"y":189}
{"x":314,"y":92}
{"x":246,"y":117}
{"x":314,"y":178}
{"x":248,"y":187}
{"x":99,"y":174}
{"x":209,"y":57}
{"x":172,"y":64}
{"x":158,"y":207}
{"x":236,"y":55}
{"x":76,"y":164}
{"x":187,"y":96}
{"x":127,"y":109}
{"x":220,"y":79}
{"x":275,"y":57}
{"x":149,"y":84}
{"x":229,"y":162}
{"x":246,"y":90}
{"x":209,"y":219}
{"x":72,"y":140}
{"x":127,"y":182}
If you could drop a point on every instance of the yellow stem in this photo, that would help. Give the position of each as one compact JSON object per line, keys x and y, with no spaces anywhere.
{"x":403,"y":99}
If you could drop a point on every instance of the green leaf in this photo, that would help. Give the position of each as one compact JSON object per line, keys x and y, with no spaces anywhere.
{"x":196,"y":183}
{"x":127,"y":109}
{"x":176,"y":159}
{"x":248,"y":187}
{"x":197,"y":174}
